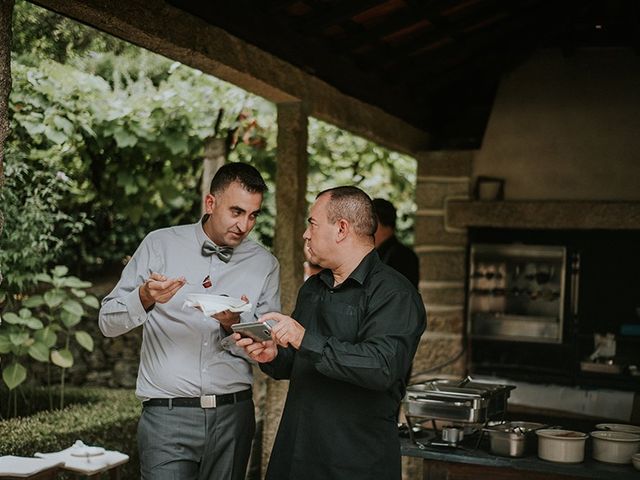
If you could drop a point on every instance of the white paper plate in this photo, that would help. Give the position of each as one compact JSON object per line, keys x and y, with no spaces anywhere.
{"x":212,"y":304}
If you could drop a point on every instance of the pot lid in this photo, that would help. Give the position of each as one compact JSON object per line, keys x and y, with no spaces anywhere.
{"x":561,"y":434}
{"x":618,"y":427}
{"x":616,"y":436}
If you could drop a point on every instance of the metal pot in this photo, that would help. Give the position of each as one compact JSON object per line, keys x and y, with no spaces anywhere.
{"x":513,"y":439}
{"x":452,"y":435}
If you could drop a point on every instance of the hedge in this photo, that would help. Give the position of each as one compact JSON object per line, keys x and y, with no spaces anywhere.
{"x":97,"y":416}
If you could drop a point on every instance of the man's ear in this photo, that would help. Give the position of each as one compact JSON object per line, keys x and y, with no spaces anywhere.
{"x":209,"y":203}
{"x":343,"y":229}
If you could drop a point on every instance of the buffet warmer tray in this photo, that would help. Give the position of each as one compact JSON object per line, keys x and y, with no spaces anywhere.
{"x":460,"y":402}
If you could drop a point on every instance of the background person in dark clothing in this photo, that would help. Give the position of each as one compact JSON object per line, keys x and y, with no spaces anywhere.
{"x":391,"y":251}
{"x":346,"y":349}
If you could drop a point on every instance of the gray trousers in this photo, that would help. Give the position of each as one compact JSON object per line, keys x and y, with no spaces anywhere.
{"x":190,"y":443}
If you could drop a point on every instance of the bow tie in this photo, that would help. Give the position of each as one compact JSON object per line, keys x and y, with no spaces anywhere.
{"x":209,"y":248}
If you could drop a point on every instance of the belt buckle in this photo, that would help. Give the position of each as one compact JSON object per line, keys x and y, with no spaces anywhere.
{"x":208,"y":401}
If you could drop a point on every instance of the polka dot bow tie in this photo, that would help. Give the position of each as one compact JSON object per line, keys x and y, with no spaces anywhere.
{"x":209,"y":248}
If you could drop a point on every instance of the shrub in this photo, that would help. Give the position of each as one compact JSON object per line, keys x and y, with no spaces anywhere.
{"x":103,"y":417}
{"x":37,"y":230}
{"x":42,"y":326}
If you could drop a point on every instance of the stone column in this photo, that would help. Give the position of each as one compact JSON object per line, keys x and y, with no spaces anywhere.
{"x":443,"y":176}
{"x":215,"y":155}
{"x":291,"y":187}
{"x":6,"y":15}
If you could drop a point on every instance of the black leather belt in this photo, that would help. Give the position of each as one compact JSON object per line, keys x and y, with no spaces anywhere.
{"x":205,"y":401}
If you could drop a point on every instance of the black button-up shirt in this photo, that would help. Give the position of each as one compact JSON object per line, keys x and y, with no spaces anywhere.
{"x":400,"y":257}
{"x":348,"y":377}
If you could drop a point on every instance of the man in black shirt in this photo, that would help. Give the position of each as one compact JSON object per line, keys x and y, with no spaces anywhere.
{"x":391,"y":251}
{"x":346,"y":350}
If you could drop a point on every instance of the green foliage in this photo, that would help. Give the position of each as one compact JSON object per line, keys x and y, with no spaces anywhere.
{"x":43,"y":32}
{"x":126,"y":128}
{"x":337,"y":157}
{"x":36,"y":231}
{"x":103,"y":417}
{"x":132,"y":147}
{"x":41,"y":326}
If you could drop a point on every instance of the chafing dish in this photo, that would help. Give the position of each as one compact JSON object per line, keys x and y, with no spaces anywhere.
{"x":459,"y":402}
{"x":461,"y":405}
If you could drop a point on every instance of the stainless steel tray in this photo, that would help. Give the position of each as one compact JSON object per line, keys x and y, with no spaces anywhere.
{"x":465,"y":401}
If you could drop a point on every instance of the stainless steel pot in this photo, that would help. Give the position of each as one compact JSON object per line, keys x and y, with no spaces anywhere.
{"x":513,"y":439}
{"x":452,"y":435}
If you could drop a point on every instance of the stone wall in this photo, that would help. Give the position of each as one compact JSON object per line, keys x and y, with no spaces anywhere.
{"x":442,"y":177}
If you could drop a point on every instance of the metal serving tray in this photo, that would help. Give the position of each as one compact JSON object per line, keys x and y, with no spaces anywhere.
{"x":465,"y":401}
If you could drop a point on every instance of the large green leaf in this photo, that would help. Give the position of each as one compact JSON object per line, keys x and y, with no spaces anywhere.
{"x":85,"y":340}
{"x":14,"y":375}
{"x":39,"y":351}
{"x":75,"y":282}
{"x":5,"y":343}
{"x":74,"y":307}
{"x":63,"y":124}
{"x":177,"y":144}
{"x":43,"y":277}
{"x":69,"y":319}
{"x":53,"y":298}
{"x":79,"y":293}
{"x":18,"y":339}
{"x":62,"y":358}
{"x":91,"y":301}
{"x":46,"y":336}
{"x":124,"y":138}
{"x":60,"y":271}
{"x":33,"y":301}
{"x":25,"y":313}
{"x":12,"y":318}
{"x":56,"y":136}
{"x":34,"y":324}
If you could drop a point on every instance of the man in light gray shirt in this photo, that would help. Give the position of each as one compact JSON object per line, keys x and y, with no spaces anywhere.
{"x":195,"y":384}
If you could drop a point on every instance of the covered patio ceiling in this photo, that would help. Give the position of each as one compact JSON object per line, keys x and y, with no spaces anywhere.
{"x":432,"y":63}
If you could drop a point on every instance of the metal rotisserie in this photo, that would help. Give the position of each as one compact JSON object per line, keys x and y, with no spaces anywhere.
{"x":459,"y":402}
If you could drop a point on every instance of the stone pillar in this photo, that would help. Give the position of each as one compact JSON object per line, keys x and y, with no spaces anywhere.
{"x":443,"y":176}
{"x":215,"y":155}
{"x":291,"y":187}
{"x":6,"y":15}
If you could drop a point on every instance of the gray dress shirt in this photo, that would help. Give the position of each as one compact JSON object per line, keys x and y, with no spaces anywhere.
{"x":185,"y":353}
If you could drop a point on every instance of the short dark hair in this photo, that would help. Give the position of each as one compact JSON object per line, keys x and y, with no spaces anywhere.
{"x":385,"y":211}
{"x":245,"y":174}
{"x":353,"y":205}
